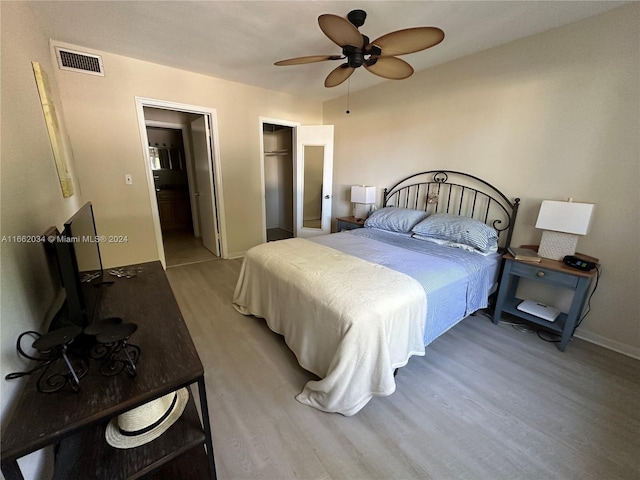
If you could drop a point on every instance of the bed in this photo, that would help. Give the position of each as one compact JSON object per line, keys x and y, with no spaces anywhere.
{"x":355,"y":306}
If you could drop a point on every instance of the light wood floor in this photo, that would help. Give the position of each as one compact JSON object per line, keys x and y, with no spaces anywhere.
{"x":486,"y":402}
{"x":182,"y":248}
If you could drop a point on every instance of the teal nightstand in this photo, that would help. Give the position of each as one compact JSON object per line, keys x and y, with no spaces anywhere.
{"x":550,"y":272}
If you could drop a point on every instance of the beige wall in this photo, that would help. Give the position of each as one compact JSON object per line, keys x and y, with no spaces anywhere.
{"x":31,"y":199}
{"x":551,"y":116}
{"x":103,"y":126}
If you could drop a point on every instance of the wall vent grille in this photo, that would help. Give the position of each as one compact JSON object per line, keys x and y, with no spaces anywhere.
{"x":79,"y":61}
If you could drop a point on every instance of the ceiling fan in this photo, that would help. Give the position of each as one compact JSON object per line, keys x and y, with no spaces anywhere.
{"x":379,"y":56}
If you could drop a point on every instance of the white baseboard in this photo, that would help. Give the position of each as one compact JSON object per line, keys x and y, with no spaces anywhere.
{"x":619,"y":347}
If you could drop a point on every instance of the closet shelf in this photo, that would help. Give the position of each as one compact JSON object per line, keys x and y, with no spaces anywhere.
{"x":273,"y":153}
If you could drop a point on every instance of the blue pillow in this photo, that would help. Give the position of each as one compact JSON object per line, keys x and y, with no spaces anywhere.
{"x":457,"y":229}
{"x":395,"y":219}
{"x":449,"y":243}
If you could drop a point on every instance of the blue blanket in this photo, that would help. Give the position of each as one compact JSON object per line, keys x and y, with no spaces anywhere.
{"x":457,"y":282}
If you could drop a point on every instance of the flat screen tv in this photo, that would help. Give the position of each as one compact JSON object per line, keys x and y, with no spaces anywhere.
{"x":80,"y":264}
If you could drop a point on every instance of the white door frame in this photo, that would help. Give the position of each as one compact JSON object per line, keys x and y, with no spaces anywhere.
{"x":286,"y":123}
{"x":142,"y":102}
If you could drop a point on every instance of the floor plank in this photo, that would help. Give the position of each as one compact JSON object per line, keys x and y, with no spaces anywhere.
{"x":181,"y":247}
{"x":485,"y":402}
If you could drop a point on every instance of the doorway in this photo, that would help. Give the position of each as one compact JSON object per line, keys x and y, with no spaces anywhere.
{"x":278,"y":180}
{"x":169,"y":161}
{"x":297,"y":179}
{"x":182,"y":170}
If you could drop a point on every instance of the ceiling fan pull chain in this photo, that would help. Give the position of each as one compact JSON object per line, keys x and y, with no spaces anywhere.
{"x":348,"y":95}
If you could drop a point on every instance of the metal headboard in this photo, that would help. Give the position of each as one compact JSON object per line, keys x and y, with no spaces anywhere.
{"x":447,"y":191}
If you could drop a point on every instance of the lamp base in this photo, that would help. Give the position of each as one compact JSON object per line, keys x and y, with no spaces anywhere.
{"x":360,"y":211}
{"x":556,"y":245}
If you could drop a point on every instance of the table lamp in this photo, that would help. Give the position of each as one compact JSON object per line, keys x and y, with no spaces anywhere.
{"x":361,"y":197}
{"x":561,"y":223}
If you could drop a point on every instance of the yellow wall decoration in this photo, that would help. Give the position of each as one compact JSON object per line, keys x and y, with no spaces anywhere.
{"x":55,"y":133}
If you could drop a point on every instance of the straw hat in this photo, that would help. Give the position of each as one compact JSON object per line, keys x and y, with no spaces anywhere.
{"x":146,"y":422}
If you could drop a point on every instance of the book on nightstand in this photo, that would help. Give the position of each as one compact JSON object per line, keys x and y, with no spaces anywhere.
{"x":524,"y":254}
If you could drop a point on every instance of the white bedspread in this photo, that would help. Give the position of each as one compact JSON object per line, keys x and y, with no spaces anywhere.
{"x":349,"y":321}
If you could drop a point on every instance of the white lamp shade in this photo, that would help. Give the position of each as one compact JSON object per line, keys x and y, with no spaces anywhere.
{"x":363,"y":194}
{"x":567,"y":217}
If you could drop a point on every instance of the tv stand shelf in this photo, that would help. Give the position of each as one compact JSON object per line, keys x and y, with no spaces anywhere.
{"x":73,"y":460}
{"x":76,"y":422}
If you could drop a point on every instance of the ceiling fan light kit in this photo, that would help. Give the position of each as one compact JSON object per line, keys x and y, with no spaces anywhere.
{"x":378,"y":57}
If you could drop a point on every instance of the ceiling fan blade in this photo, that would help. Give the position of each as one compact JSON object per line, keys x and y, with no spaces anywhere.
{"x":338,"y":75}
{"x":340,"y":31}
{"x":309,"y":59}
{"x":409,"y":40}
{"x":390,"y":67}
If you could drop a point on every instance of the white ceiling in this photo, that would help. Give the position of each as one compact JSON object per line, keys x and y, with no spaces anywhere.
{"x":240,"y":40}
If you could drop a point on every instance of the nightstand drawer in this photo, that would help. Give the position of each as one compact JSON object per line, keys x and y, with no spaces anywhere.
{"x":347,"y":226}
{"x":549,"y":276}
{"x":349,"y":223}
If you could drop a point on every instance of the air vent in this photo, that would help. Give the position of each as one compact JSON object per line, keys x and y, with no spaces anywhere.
{"x":79,"y":61}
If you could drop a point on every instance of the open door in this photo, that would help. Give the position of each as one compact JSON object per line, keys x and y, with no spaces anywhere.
{"x":313,"y":180}
{"x":205,"y":194}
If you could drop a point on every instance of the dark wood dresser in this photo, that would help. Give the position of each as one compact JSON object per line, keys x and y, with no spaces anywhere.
{"x":75,"y":422}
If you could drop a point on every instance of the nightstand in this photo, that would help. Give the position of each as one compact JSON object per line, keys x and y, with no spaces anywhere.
{"x":349,"y":223}
{"x":550,"y":272}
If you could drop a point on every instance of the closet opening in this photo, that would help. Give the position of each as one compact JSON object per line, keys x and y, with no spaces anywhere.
{"x":278,"y":142}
